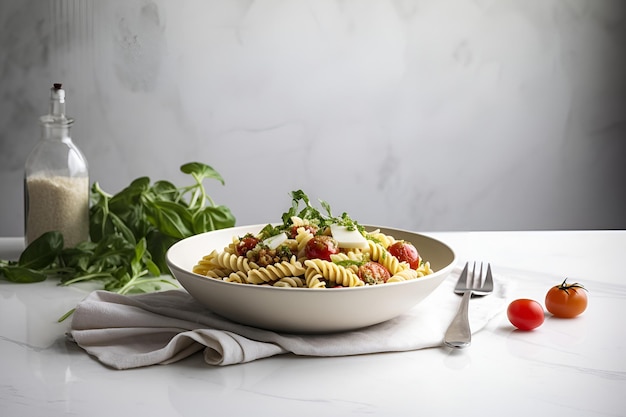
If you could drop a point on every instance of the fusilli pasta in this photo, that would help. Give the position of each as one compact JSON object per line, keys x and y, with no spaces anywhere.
{"x":289,"y":264}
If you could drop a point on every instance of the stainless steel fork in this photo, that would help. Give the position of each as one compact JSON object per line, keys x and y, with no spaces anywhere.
{"x":459,"y":334}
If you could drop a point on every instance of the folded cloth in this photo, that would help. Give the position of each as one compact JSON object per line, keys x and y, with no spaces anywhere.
{"x":163,"y":327}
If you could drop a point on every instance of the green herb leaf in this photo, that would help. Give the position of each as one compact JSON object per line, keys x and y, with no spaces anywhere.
{"x":23,"y":275}
{"x":201,"y":171}
{"x":122,"y":228}
{"x":42,"y":252}
{"x":165,"y":190}
{"x":171,"y":219}
{"x":130,"y":233}
{"x":212,"y":218}
{"x":312,"y":214}
{"x":158,"y":244}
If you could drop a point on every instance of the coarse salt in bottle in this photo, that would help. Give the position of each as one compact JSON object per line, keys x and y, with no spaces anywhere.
{"x":56,"y":179}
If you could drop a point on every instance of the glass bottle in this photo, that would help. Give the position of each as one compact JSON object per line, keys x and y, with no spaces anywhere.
{"x":56,"y":179}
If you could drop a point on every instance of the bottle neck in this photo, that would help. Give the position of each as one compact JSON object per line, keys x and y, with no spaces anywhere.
{"x":57,"y":106}
{"x":55,"y":131}
{"x":55,"y":124}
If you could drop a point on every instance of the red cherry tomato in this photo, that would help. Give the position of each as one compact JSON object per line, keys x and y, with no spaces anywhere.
{"x":246,"y":244}
{"x":321,"y":247}
{"x":566,"y":300}
{"x":525,"y":314}
{"x":373,"y":273}
{"x":405,"y":252}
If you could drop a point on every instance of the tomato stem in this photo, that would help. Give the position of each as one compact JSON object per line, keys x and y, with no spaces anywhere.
{"x":565,"y":286}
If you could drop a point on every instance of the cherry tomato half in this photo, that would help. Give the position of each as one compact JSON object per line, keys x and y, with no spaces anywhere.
{"x":405,"y":252}
{"x":566,"y":300}
{"x":373,"y":273}
{"x":246,"y":244}
{"x":321,"y":247}
{"x":525,"y":314}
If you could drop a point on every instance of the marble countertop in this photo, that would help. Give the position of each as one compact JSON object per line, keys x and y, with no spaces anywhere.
{"x":573,"y":367}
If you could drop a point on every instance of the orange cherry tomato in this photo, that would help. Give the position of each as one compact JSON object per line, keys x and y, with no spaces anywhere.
{"x":566,"y":300}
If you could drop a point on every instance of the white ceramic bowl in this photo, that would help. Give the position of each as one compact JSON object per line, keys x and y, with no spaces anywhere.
{"x":305,"y":310}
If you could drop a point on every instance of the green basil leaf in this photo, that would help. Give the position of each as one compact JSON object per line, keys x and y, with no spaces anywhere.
{"x":140,"y":249}
{"x":201,"y":171}
{"x":136,"y":220}
{"x":212,"y":218}
{"x":121,"y":227}
{"x":97,"y":196}
{"x":121,"y":278}
{"x":152,"y":267}
{"x":110,"y":253}
{"x":172,"y":219}
{"x":158,"y":245}
{"x":97,"y":223}
{"x":165,"y":190}
{"x":23,"y":275}
{"x":42,"y":252}
{"x":129,"y":196}
{"x":202,"y":221}
{"x":78,"y":257}
{"x":100,"y":224}
{"x":137,"y":186}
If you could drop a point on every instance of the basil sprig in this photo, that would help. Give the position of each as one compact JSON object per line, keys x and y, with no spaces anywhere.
{"x":130,"y":233}
{"x":301,"y":207}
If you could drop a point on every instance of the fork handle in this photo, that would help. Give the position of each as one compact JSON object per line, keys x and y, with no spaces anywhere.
{"x":458,"y":334}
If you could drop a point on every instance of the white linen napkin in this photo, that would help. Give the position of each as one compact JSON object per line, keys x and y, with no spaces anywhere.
{"x":163,"y":327}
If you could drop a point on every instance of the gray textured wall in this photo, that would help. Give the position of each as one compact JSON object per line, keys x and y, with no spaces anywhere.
{"x":426,"y":115}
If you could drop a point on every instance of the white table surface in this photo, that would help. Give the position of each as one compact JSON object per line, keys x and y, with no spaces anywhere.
{"x":566,"y":367}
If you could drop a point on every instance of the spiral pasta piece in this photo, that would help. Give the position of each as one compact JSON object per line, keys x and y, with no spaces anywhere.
{"x":299,"y":222}
{"x":217,"y":273}
{"x":238,"y":277}
{"x":275,"y":272}
{"x":334,"y":273}
{"x":404,"y":275}
{"x":424,"y":269}
{"x":314,"y":279}
{"x":232,"y":246}
{"x":378,"y":237}
{"x":291,"y":282}
{"x":201,"y":269}
{"x":234,"y":262}
{"x":353,"y":255}
{"x":302,"y":238}
{"x":379,"y":254}
{"x":292,"y":244}
{"x":206,"y":264}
